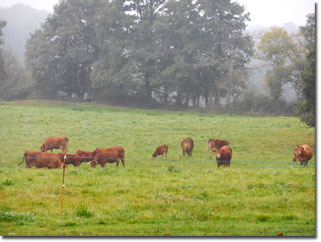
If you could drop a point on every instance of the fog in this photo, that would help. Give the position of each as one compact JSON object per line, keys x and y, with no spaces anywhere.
{"x":284,"y":11}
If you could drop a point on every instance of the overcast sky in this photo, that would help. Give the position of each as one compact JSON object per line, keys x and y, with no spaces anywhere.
{"x":263,"y":12}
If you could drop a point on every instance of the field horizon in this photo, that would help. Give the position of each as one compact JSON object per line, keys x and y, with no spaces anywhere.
{"x":263,"y":193}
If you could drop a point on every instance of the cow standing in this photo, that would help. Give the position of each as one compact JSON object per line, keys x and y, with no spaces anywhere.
{"x":223,"y":156}
{"x":41,"y":159}
{"x":161,"y":150}
{"x":55,"y":143}
{"x":216,"y":143}
{"x":187,"y":146}
{"x":303,"y":153}
{"x":110,"y":155}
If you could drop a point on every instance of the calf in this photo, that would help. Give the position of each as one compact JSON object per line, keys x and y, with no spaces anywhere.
{"x":41,"y":159}
{"x":216,"y":143}
{"x":223,"y":156}
{"x":161,"y":150}
{"x":55,"y":143}
{"x":110,"y":155}
{"x":303,"y":153}
{"x":187,"y":146}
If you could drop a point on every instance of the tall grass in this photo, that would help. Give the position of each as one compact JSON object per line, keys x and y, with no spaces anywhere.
{"x":263,"y":193}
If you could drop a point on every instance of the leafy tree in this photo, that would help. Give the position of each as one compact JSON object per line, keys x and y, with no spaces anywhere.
{"x":141,"y":51}
{"x":276,"y":47}
{"x":18,"y":82}
{"x":307,"y":109}
{"x":62,"y":52}
{"x":205,"y":41}
{"x":111,"y":75}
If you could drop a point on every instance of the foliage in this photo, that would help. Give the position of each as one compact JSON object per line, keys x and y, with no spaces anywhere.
{"x":276,"y":47}
{"x":141,"y":52}
{"x":263,"y":193}
{"x":18,"y":83}
{"x":307,"y":109}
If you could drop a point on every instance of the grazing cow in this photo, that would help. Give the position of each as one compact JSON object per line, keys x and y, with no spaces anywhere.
{"x":41,"y":159}
{"x":216,"y":143}
{"x":187,"y":146}
{"x":86,"y":156}
{"x":55,"y":143}
{"x":71,"y":159}
{"x":109,"y":155}
{"x":303,"y":153}
{"x":161,"y":150}
{"x":223,"y":156}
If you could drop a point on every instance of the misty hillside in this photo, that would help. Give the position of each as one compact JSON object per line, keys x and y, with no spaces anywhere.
{"x":21,"y":21}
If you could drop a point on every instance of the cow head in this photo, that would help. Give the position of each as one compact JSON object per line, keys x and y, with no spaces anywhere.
{"x":155,"y":154}
{"x":219,"y":153}
{"x":42,"y":148}
{"x":93,"y":163}
{"x":298,"y":151}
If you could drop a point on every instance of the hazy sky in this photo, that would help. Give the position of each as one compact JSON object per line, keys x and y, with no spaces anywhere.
{"x":263,"y":12}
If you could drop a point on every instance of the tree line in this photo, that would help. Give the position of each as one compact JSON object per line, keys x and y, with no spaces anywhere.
{"x":162,"y":53}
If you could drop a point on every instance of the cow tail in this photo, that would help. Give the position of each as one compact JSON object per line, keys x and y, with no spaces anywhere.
{"x":23,"y":159}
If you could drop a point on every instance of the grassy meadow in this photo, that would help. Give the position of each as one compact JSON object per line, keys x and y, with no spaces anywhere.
{"x":263,"y":193}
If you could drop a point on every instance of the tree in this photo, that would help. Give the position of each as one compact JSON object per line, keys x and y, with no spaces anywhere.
{"x":143,"y":52}
{"x":111,"y":73}
{"x":276,"y":48}
{"x":204,"y":41}
{"x":307,"y":108}
{"x":62,"y":52}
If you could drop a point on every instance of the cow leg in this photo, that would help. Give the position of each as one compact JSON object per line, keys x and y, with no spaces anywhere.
{"x":117,"y":163}
{"x":163,"y":155}
{"x":301,"y":163}
{"x":122,"y":161}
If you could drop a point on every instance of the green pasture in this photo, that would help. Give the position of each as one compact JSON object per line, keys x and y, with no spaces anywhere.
{"x":263,"y":193}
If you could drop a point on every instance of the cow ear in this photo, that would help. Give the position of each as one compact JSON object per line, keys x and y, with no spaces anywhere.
{"x":303,"y":148}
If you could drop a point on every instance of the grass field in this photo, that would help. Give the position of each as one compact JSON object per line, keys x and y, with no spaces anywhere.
{"x":263,"y":193}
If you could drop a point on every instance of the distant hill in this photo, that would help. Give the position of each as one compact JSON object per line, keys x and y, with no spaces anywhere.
{"x":21,"y":21}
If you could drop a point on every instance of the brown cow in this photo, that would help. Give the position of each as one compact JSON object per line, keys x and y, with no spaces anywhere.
{"x":41,"y":159}
{"x":187,"y":146}
{"x":161,"y":150}
{"x":71,"y":159}
{"x":55,"y":143}
{"x":303,"y":153}
{"x":109,"y":155}
{"x":216,"y":143}
{"x":86,"y":156}
{"x":223,"y":156}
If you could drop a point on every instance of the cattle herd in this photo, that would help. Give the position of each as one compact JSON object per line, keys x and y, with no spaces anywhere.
{"x":41,"y":159}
